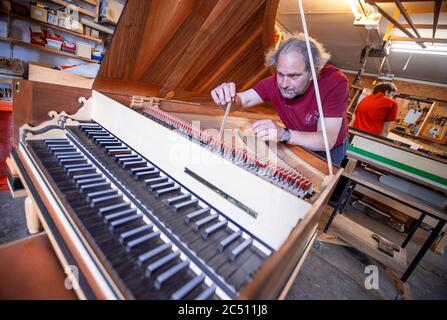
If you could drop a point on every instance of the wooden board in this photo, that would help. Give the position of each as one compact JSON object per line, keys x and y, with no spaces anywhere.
{"x":188,"y":45}
{"x":361,"y":239}
{"x":371,"y":181}
{"x":47,"y":75}
{"x":413,"y":213}
{"x":33,"y":100}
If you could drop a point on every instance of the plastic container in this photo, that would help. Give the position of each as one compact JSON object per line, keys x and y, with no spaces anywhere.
{"x":55,"y":44}
{"x":97,"y":55}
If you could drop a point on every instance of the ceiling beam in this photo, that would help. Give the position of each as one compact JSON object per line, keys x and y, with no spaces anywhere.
{"x":390,"y":27}
{"x":388,"y":1}
{"x":424,"y":10}
{"x":418,"y":40}
{"x":438,"y":4}
{"x":393,"y":21}
{"x":425,"y":26}
{"x":407,"y":17}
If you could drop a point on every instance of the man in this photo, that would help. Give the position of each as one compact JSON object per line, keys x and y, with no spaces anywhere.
{"x":293,"y":95}
{"x":377,"y":112}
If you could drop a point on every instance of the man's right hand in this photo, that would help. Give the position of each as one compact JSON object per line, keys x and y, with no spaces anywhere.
{"x":224,"y":93}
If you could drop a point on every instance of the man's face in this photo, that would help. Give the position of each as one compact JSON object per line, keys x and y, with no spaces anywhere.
{"x":293,"y":79}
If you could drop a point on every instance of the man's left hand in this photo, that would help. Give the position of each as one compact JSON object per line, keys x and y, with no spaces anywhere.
{"x":267,"y":130}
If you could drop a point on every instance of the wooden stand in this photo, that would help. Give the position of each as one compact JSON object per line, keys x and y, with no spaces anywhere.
{"x":32,"y":219}
{"x":361,"y":238}
{"x":403,"y":289}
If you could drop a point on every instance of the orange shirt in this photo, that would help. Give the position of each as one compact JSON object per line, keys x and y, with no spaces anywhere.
{"x":373,"y":111}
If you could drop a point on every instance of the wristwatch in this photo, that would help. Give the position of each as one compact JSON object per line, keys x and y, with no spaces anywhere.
{"x":285,"y":135}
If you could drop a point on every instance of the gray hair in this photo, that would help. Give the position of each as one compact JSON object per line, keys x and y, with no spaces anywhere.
{"x":297,"y":43}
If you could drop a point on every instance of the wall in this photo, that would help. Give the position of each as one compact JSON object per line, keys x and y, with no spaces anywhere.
{"x":417,"y":89}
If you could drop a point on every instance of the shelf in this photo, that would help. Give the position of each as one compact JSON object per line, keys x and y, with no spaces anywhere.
{"x":92,"y":2}
{"x":35,"y":46}
{"x":49,"y":25}
{"x":81,"y":10}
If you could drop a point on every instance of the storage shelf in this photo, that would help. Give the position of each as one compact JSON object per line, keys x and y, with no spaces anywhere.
{"x":81,"y":10}
{"x":92,"y":2}
{"x":35,"y":46}
{"x":49,"y":25}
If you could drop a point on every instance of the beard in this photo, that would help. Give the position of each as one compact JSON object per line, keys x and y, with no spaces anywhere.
{"x":292,"y":93}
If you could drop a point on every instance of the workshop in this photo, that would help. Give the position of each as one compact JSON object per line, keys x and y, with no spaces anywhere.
{"x":223,"y":150}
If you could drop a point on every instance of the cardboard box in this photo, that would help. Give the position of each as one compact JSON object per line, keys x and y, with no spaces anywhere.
{"x":83,"y":50}
{"x":76,"y":26}
{"x":111,"y":11}
{"x":94,"y":33}
{"x":64,"y":20}
{"x":52,"y":18}
{"x":40,"y":14}
{"x":87,"y":30}
{"x":65,"y":23}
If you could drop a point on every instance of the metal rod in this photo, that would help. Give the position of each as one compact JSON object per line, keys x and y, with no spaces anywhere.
{"x":338,"y":205}
{"x":393,"y":21}
{"x":423,"y":250}
{"x":407,"y":17}
{"x":413,"y":229}
{"x":438,"y":4}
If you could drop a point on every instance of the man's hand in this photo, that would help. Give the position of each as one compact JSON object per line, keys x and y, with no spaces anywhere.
{"x":224,"y":93}
{"x":267,"y":130}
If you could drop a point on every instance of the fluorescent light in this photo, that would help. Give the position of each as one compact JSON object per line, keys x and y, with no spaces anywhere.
{"x":417,"y":51}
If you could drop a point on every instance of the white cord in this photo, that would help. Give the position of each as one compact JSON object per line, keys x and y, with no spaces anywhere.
{"x":408,"y":61}
{"x":317,"y":90}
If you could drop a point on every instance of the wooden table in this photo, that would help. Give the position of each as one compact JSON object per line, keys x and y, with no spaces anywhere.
{"x":357,"y":175}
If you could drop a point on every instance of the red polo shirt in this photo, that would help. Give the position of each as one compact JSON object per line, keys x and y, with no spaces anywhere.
{"x":301,"y":113}
{"x":373,"y":111}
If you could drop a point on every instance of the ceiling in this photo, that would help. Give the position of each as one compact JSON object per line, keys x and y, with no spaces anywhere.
{"x":331,"y":22}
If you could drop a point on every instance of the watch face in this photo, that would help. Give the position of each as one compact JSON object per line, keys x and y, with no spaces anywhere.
{"x":286,"y":136}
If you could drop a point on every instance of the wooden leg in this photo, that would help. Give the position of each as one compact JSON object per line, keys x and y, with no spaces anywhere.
{"x":32,"y":219}
{"x":441,"y":244}
{"x":403,"y":288}
{"x":350,"y":166}
{"x":332,"y":239}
